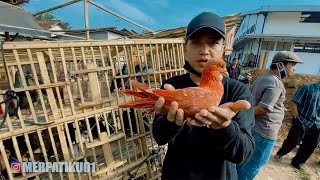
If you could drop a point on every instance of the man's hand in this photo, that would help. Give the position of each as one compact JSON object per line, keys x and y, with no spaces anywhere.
{"x":218,"y":117}
{"x":175,"y":114}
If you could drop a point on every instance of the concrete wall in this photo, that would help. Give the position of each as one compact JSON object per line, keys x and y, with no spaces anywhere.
{"x":112,"y":35}
{"x":56,"y":27}
{"x":311,"y":63}
{"x":288,"y":23}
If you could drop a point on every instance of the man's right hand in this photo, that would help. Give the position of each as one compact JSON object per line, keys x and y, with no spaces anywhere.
{"x":175,"y":114}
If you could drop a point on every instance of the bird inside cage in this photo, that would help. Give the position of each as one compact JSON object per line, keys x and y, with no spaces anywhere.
{"x":23,"y":101}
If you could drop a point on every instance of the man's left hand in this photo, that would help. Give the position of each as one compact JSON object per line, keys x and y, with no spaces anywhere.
{"x":218,"y":117}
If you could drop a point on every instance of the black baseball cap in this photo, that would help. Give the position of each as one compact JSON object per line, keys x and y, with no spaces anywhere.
{"x":206,"y":20}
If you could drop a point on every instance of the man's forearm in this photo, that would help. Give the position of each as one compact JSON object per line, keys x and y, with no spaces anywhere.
{"x":294,"y":109}
{"x":163,"y":130}
{"x":237,"y":143}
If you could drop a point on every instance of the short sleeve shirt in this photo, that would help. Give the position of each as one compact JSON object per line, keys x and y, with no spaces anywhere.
{"x":308,"y":99}
{"x":269,"y":92}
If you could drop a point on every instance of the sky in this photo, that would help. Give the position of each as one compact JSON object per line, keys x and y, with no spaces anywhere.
{"x":153,"y":14}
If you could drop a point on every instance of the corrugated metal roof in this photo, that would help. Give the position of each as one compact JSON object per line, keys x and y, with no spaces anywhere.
{"x":17,"y":20}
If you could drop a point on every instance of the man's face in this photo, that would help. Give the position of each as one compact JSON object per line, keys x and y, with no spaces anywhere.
{"x":235,"y":62}
{"x":203,"y":45}
{"x":290,"y":68}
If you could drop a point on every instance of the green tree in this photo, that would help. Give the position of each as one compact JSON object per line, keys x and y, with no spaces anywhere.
{"x":45,"y":17}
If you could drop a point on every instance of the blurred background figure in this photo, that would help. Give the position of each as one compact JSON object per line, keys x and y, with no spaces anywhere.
{"x":234,"y":69}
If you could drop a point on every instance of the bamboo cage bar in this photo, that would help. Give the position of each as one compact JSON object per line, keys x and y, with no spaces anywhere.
{"x":70,"y":92}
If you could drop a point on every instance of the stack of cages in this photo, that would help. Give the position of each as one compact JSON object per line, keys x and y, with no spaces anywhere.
{"x":61,"y":105}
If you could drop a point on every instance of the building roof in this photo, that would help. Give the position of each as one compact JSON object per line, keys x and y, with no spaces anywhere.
{"x":243,"y":39}
{"x":79,"y":31}
{"x":129,"y":32}
{"x":284,"y":36}
{"x":49,"y":24}
{"x":286,"y":8}
{"x":170,"y":33}
{"x":180,"y":32}
{"x":280,"y":8}
{"x":14,"y":19}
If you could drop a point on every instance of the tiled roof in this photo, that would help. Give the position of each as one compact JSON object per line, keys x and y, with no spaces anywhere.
{"x":48,"y":24}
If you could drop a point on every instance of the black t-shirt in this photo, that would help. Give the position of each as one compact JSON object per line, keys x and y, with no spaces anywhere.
{"x":234,"y":73}
{"x":205,"y":153}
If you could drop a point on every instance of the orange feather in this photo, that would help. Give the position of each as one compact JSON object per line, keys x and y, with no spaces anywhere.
{"x":191,"y":100}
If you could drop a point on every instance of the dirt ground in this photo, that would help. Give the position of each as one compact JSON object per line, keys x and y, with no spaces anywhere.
{"x":283,"y":170}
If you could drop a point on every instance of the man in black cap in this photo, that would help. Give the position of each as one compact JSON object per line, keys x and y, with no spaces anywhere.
{"x":268,"y":98}
{"x":209,"y":146}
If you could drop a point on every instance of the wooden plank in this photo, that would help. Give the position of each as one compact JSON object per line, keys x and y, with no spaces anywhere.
{"x":43,"y":149}
{"x":54,"y":148}
{"x":85,"y":71}
{"x":93,"y":83}
{"x":107,"y":151}
{"x":114,"y":165}
{"x":64,"y":44}
{"x":77,"y":77}
{"x":55,"y":79}
{"x":46,"y":80}
{"x":64,"y":147}
{"x":126,"y":168}
{"x":153,"y":66}
{"x":66,"y":78}
{"x":36,"y":80}
{"x":23,"y":79}
{"x":158,"y":61}
{"x":5,"y":159}
{"x":96,"y":143}
{"x":91,"y":104}
{"x":105,"y":72}
{"x":17,"y":151}
{"x":42,"y":86}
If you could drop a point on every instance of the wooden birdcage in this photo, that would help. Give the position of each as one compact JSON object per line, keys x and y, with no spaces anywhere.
{"x":68,"y":97}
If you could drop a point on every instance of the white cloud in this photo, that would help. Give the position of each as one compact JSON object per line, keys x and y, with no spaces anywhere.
{"x":161,"y":3}
{"x":129,"y":11}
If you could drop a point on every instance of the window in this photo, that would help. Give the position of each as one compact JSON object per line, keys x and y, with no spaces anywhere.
{"x":308,"y":47}
{"x":310,"y":17}
{"x":267,"y":45}
{"x":283,"y":46}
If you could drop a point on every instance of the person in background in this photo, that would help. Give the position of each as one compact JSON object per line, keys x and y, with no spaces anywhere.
{"x":305,"y":108}
{"x":234,"y":69}
{"x":124,"y":69}
{"x":269,"y":96}
{"x":209,"y":146}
